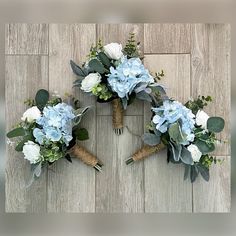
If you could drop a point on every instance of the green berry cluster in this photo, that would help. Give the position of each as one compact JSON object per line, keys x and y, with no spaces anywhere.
{"x":102,"y":92}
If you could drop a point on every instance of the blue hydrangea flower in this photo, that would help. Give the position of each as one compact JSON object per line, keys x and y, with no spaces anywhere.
{"x":169,"y":113}
{"x":127,"y":76}
{"x":56,"y":124}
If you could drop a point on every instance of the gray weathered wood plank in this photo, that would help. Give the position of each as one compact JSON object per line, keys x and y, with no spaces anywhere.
{"x":213,"y":196}
{"x":165,"y":189}
{"x":119,"y":33}
{"x":71,"y":187}
{"x":119,"y":188}
{"x":24,"y":76}
{"x":26,"y":38}
{"x":167,"y":38}
{"x":210,"y":65}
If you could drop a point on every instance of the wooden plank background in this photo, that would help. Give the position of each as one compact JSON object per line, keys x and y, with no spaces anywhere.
{"x":195,"y":59}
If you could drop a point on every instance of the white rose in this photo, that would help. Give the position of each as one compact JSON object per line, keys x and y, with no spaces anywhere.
{"x":90,"y":81}
{"x":31,"y":151}
{"x":31,"y":114}
{"x":195,"y":152}
{"x":113,"y":51}
{"x":201,"y":119}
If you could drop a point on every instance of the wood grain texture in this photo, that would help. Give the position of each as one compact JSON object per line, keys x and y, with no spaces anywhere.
{"x":165,"y":189}
{"x":109,"y":33}
{"x":26,"y":38}
{"x":195,"y":59}
{"x":71,"y":187}
{"x":215,"y":195}
{"x":210,"y":65}
{"x":167,"y":38}
{"x":24,"y":76}
{"x":119,"y":188}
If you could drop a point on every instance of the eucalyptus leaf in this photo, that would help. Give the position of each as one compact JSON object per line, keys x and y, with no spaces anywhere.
{"x":97,"y":66}
{"x":151,"y":139}
{"x":77,"y":69}
{"x":204,"y":147}
{"x":26,"y":138}
{"x":215,"y":124}
{"x":186,"y":156}
{"x":41,"y":98}
{"x":204,"y":171}
{"x":16,"y":132}
{"x":104,"y":59}
{"x":144,"y":96}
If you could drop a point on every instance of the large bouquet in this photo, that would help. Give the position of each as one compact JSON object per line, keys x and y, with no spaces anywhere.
{"x":49,"y":130}
{"x":188,"y":133}
{"x":115,"y":74}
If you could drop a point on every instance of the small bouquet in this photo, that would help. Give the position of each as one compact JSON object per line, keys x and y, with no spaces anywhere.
{"x":188,"y":133}
{"x":116,"y":75}
{"x":49,"y":130}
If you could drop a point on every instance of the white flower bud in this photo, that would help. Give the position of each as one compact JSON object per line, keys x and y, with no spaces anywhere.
{"x":31,"y":152}
{"x":113,"y":51}
{"x":90,"y":81}
{"x":31,"y":114}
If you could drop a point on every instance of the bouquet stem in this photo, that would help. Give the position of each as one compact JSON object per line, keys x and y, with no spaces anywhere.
{"x":144,"y":152}
{"x":86,"y":157}
{"x":117,"y":116}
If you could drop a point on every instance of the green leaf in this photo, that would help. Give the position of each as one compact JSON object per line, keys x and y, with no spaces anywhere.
{"x":204,"y":147}
{"x":186,"y":171}
{"x":77,"y":70}
{"x":104,"y":59}
{"x":41,"y":98}
{"x":144,"y":96}
{"x":176,"y":133}
{"x":186,"y":156}
{"x":193,"y":173}
{"x":151,"y":139}
{"x":176,"y":151}
{"x":16,"y":132}
{"x":97,"y":66}
{"x":26,"y":138}
{"x":204,"y":172}
{"x":81,"y":134}
{"x":215,"y":124}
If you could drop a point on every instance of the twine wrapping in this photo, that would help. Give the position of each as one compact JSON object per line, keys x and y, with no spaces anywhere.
{"x":144,"y":152}
{"x":85,"y":156}
{"x":117,"y":115}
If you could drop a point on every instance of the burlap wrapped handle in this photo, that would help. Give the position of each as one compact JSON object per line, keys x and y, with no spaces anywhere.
{"x":144,"y":152}
{"x":86,"y":157}
{"x":117,"y":116}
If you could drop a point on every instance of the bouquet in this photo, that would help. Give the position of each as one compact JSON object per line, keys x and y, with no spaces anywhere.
{"x":188,"y":133}
{"x":48,"y":131}
{"x":117,"y":75}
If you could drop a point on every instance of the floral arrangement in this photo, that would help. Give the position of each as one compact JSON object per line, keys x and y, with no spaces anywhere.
{"x":188,"y":133}
{"x":48,"y":132}
{"x":116,"y":74}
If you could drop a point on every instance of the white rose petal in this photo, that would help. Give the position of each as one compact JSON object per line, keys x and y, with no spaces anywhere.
{"x":31,"y":114}
{"x":31,"y":152}
{"x":90,"y":81}
{"x":113,"y":51}
{"x":201,"y":119}
{"x":195,"y":152}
